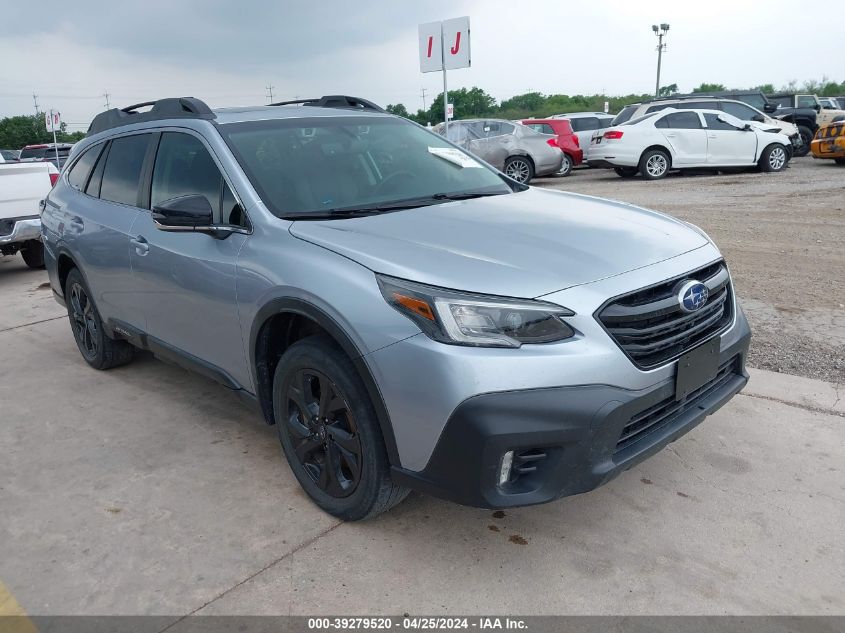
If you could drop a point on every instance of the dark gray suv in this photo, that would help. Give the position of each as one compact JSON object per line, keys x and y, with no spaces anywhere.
{"x":406,"y":315}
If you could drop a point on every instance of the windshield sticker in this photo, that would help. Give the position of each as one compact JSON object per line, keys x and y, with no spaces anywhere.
{"x":455,"y":156}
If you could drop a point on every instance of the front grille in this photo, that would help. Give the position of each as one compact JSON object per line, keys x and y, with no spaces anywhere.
{"x":664,"y":412}
{"x":652,"y":329}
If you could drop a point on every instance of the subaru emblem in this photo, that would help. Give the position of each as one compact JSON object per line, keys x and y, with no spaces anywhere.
{"x":692,"y":296}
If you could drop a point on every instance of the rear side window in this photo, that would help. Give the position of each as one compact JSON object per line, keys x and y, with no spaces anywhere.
{"x":78,"y":175}
{"x":682,"y":121}
{"x":122,"y":173}
{"x":739,"y":110}
{"x":584,"y":124}
{"x":695,"y":105}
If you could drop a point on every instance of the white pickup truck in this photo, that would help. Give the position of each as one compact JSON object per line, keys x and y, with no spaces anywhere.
{"x":22,"y":188}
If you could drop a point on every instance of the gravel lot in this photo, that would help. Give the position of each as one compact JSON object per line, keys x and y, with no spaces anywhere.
{"x":784,"y":238}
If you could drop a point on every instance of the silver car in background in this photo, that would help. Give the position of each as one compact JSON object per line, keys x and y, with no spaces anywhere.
{"x":518,"y":151}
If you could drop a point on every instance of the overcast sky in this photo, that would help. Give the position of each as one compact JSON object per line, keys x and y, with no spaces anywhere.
{"x":227,"y":52}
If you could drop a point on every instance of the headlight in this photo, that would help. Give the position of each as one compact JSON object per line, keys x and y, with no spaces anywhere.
{"x":484,"y":321}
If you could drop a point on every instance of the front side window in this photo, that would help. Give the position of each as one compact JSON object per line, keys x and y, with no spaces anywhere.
{"x":122,"y":172}
{"x":316,"y":165}
{"x":78,"y":175}
{"x":682,"y":121}
{"x":807,"y":101}
{"x":713,"y":123}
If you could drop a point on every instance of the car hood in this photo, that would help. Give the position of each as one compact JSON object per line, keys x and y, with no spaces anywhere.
{"x":524,"y":244}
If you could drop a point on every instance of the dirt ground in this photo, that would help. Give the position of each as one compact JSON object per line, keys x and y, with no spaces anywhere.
{"x":783,"y":236}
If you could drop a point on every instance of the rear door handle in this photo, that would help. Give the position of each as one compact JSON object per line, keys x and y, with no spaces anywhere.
{"x":142,"y":246}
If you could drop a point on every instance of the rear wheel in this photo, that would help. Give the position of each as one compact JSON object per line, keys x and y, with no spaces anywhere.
{"x":774,"y":158}
{"x":97,"y":348}
{"x":654,"y":164}
{"x":626,"y":172}
{"x":330,"y":433}
{"x":519,"y":168}
{"x":565,"y":166}
{"x":33,"y":254}
{"x":806,"y":138}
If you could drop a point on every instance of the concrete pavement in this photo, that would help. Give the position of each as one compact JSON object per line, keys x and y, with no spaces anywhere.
{"x":149,"y":490}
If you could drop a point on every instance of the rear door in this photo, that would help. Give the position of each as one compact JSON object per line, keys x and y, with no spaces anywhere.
{"x":97,"y":226}
{"x":187,"y":279}
{"x":727,"y":144}
{"x":687,"y":136}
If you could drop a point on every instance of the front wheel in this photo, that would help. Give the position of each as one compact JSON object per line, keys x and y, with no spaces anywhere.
{"x":519,"y":168}
{"x":33,"y":254}
{"x":330,"y":433}
{"x":654,"y":164}
{"x":774,"y":158}
{"x":626,"y":172}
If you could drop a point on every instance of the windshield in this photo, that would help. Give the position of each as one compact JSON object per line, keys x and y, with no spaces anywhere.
{"x":323,"y":164}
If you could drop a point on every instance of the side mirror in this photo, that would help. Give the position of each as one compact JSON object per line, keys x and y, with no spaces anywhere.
{"x":759,"y":118}
{"x":817,"y":108}
{"x":185,"y":213}
{"x":747,"y":127}
{"x":770,"y":107}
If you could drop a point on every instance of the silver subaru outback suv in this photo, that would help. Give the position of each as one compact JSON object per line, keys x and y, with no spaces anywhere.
{"x":407,"y":316}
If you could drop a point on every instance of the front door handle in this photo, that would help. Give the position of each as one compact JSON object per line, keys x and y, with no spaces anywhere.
{"x":670,"y":136}
{"x":142,"y":246}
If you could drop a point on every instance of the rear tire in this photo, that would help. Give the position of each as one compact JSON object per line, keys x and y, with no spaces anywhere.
{"x":565,"y":166}
{"x":655,"y":164}
{"x":774,"y":158}
{"x":520,"y":168}
{"x":32,"y":252}
{"x":806,"y":138}
{"x":626,"y":172}
{"x":330,"y":433}
{"x":97,"y":348}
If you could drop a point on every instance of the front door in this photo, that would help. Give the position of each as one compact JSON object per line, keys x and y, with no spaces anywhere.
{"x":728,"y":144}
{"x":187,"y":279}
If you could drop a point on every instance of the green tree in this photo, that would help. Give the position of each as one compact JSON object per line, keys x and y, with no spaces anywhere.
{"x":705,"y":87}
{"x":471,"y":103}
{"x":665,"y":91}
{"x":398,"y":109}
{"x":17,"y":131}
{"x":528,"y":102}
{"x":766,"y":89}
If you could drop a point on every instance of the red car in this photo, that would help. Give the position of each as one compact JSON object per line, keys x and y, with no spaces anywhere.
{"x":566,"y":140}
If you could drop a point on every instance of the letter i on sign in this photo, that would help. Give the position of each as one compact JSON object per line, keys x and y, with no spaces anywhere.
{"x":431,"y":43}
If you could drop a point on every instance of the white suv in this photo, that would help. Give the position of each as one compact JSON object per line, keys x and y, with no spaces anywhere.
{"x":585,"y":124}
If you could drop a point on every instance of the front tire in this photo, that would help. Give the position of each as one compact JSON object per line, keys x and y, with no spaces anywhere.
{"x":806,"y":138}
{"x":520,"y":168}
{"x":330,"y":433}
{"x":626,"y":172}
{"x":654,"y":164}
{"x":774,"y":158}
{"x":32,"y":252}
{"x":97,"y":348}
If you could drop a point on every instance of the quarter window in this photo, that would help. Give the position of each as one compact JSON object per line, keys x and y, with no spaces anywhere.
{"x":184,"y":167}
{"x":78,"y":175}
{"x":122,"y":173}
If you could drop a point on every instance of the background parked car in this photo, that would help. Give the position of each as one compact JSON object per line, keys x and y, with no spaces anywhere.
{"x":682,"y":139}
{"x":788,"y":100}
{"x":10,"y":155}
{"x":565,"y":139}
{"x":516,"y":150}
{"x":739,"y":109}
{"x":585,"y":124}
{"x":46,"y":152}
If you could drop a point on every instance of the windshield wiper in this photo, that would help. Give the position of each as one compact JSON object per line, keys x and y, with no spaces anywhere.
{"x":357,"y":212}
{"x":466,"y":195}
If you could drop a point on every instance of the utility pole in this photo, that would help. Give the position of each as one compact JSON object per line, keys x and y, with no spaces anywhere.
{"x":35,"y":101}
{"x":270,"y":93}
{"x":660,"y":32}
{"x":108,"y":103}
{"x":423,"y":97}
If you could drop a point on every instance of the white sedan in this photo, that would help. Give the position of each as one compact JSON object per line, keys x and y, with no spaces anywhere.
{"x":687,"y":139}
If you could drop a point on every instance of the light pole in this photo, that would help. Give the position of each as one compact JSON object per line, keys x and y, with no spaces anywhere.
{"x":660,"y":32}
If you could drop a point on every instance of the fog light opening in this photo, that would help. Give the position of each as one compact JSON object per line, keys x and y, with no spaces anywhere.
{"x":505,"y":468}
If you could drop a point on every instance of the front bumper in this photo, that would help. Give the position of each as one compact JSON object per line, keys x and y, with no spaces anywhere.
{"x":576,"y":429}
{"x":22,"y":230}
{"x":828,"y":147}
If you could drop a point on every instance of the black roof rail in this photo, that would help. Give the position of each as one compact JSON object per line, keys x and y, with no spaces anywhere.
{"x":335,"y":101}
{"x":170,"y":108}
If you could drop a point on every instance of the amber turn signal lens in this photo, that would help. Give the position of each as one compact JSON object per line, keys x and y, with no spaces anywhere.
{"x":417,"y":306}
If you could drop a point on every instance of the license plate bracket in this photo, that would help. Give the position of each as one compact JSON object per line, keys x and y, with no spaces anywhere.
{"x":697,"y":367}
